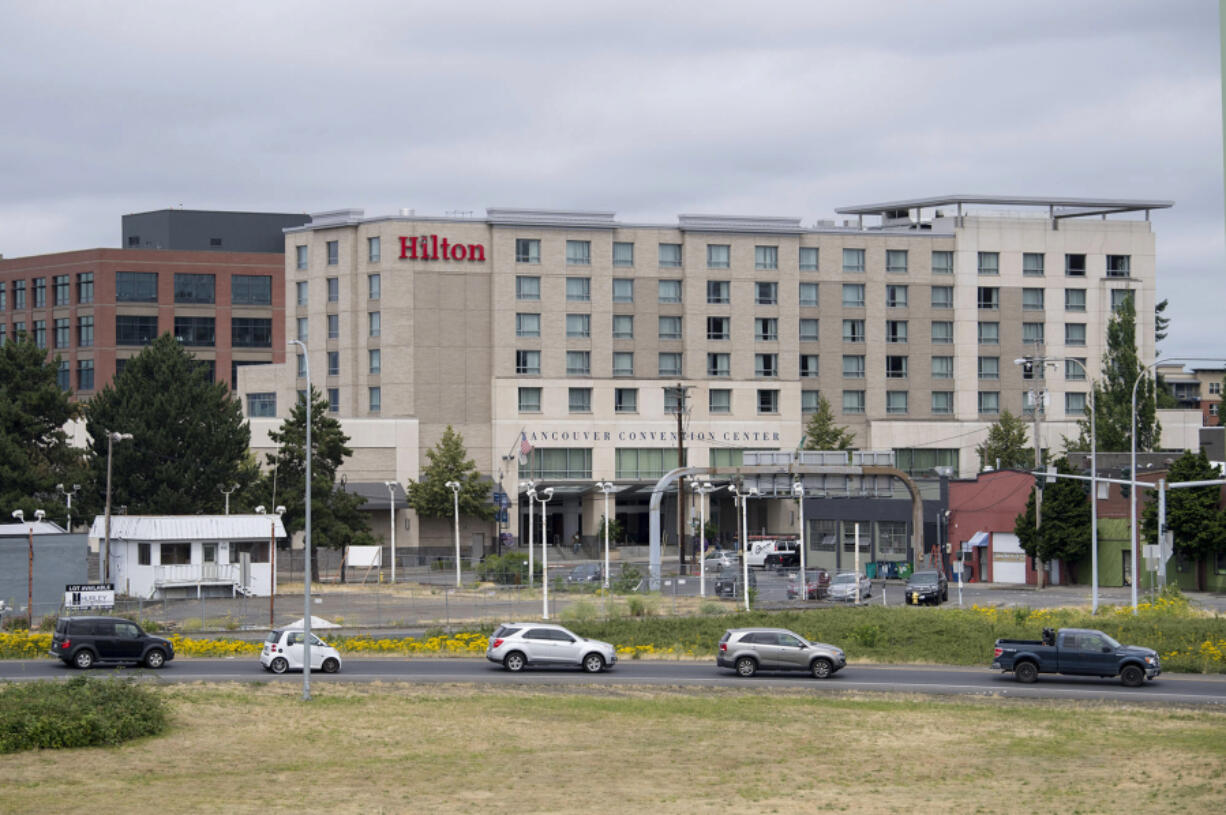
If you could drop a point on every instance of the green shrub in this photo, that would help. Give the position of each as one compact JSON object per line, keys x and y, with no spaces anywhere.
{"x":580,"y":612}
{"x":707,"y":609}
{"x":79,"y":712}
{"x":640,"y":606}
{"x":510,"y":569}
{"x":869,"y":635}
{"x":47,"y":623}
{"x":629,"y":579}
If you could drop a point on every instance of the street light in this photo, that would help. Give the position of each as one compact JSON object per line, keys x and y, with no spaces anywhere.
{"x":606,"y":487}
{"x":272,"y":559}
{"x":391,"y":514}
{"x":454,"y":486}
{"x":111,"y":438}
{"x":531,"y":493}
{"x":704,"y":490}
{"x":307,"y":451}
{"x":547,"y":493}
{"x":38,"y":516}
{"x":742,"y":498}
{"x":68,"y":495}
{"x":798,"y":489}
{"x":226,"y":492}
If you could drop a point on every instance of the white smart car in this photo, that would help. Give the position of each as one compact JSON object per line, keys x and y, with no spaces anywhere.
{"x":283,"y":652}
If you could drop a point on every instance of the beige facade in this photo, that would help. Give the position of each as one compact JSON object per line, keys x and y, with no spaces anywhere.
{"x":567,"y":327}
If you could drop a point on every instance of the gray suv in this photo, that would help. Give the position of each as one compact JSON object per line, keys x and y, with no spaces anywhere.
{"x":514,"y":646}
{"x":748,"y":650}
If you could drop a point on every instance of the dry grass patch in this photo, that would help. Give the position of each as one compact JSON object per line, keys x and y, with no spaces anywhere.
{"x":403,"y":748}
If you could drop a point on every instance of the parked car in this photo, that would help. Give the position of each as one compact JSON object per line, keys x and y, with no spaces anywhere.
{"x":783,"y":559}
{"x":748,"y":650}
{"x":817,"y":585}
{"x":728,"y":581}
{"x":718,"y":559}
{"x":85,"y":641}
{"x":283,"y":652}
{"x":843,"y":587}
{"x":1076,"y":652}
{"x":759,"y":549}
{"x":926,"y":587}
{"x":515,"y":646}
{"x":586,"y":573}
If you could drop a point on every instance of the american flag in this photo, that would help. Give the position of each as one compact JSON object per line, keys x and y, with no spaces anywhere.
{"x":524,"y":447}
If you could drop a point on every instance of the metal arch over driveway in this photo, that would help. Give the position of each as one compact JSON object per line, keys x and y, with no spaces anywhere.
{"x":795,"y":467}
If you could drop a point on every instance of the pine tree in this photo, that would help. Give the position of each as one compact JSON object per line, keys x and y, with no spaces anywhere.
{"x":1113,"y":394}
{"x":821,"y":433}
{"x":449,"y":461}
{"x":1005,"y":446}
{"x":1065,"y":531}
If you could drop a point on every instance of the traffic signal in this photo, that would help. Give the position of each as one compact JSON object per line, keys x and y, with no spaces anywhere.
{"x":1126,"y":489}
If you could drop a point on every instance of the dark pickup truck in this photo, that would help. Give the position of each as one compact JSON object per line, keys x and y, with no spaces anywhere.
{"x":1076,"y":652}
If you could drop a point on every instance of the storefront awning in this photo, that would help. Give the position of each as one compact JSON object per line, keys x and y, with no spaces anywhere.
{"x":978,"y":539}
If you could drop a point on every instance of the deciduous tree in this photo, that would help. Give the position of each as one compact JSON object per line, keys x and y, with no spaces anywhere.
{"x":448,"y":461}
{"x":1065,"y":530}
{"x":1193,"y":514}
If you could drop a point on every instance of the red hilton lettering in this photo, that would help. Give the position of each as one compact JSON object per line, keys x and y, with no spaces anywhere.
{"x":408,"y":248}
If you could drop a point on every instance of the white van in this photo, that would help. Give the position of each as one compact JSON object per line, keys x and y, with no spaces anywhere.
{"x":759,"y":551}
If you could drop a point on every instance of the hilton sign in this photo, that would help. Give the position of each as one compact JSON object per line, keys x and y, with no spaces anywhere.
{"x":432,"y":247}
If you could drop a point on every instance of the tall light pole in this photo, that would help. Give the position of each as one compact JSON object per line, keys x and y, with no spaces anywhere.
{"x":391,"y":515}
{"x":606,"y":487}
{"x":531,"y":493}
{"x":272,"y":559}
{"x":111,"y":438}
{"x":1037,"y":365}
{"x":307,"y":455}
{"x":704,"y":490}
{"x":68,"y":495}
{"x":38,"y":516}
{"x":226,"y":492}
{"x":798,"y":489}
{"x":1093,"y":509}
{"x":545,"y":494}
{"x":454,"y":486}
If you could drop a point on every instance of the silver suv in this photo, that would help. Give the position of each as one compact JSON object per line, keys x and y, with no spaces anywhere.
{"x":514,"y":646}
{"x":748,"y":650}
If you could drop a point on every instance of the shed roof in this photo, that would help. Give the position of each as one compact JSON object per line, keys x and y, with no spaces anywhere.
{"x":188,"y":527}
{"x":23,"y":529}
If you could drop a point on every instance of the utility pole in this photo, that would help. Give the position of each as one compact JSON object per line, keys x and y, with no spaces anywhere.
{"x":681,"y":393}
{"x":1036,"y":366}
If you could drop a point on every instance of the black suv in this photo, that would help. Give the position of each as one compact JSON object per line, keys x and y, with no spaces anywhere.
{"x":728,"y":581}
{"x":926,"y":587}
{"x":83,"y":641}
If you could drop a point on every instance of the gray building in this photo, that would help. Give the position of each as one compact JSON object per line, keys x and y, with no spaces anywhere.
{"x":60,"y":559}
{"x":197,"y":230}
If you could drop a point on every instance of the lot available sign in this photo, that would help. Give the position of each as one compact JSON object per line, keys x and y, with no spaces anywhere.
{"x":89,"y":595}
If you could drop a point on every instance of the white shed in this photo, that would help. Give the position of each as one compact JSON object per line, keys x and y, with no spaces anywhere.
{"x":158,"y":556}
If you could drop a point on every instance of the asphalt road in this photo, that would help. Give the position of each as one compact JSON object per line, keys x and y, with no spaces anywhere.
{"x":1183,"y":689}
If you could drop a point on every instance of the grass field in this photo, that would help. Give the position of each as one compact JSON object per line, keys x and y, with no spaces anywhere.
{"x":388,"y":748}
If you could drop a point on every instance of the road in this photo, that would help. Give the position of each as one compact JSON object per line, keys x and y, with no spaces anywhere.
{"x":1183,"y":689}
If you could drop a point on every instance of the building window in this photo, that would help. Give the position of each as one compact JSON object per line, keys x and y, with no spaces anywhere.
{"x":853,"y":295}
{"x":251,"y":290}
{"x":578,"y":289}
{"x":670,"y":291}
{"x":334,"y":326}
{"x":62,"y":290}
{"x":989,"y":297}
{"x":896,"y":261}
{"x":853,"y":401}
{"x":1075,"y":265}
{"x":1075,"y":369}
{"x":40,"y":292}
{"x":989,"y":401}
{"x":300,"y":254}
{"x":196,"y":331}
{"x":375,"y":396}
{"x":989,"y":333}
{"x":580,"y":400}
{"x":527,"y":250}
{"x":766,"y":294}
{"x":578,"y":326}
{"x":623,"y":253}
{"x":853,"y":331}
{"x":334,"y":363}
{"x":718,"y":292}
{"x":527,"y":325}
{"x":766,"y":329}
{"x":578,"y":363}
{"x":562,"y":463}
{"x":1074,"y":404}
{"x":261,"y":405}
{"x":136,"y":287}
{"x":375,"y":320}
{"x":896,"y":402}
{"x":374,"y":286}
{"x":808,"y":329}
{"x":942,"y":262}
{"x":302,"y":366}
{"x":62,"y":333}
{"x":334,"y":252}
{"x":623,"y":290}
{"x":303,"y":323}
{"x":1215,"y":388}
{"x":63,"y":375}
{"x":1074,"y":299}
{"x":374,"y":358}
{"x":3,"y":296}
{"x":623,"y":363}
{"x":374,"y":250}
{"x":896,"y":296}
{"x":942,"y":296}
{"x":718,"y":255}
{"x":1118,"y":298}
{"x":529,"y":400}
{"x":1032,"y":299}
{"x":1119,"y":265}
{"x":942,"y":367}
{"x":989,"y":263}
{"x":334,"y":289}
{"x":85,"y":374}
{"x":895,"y":367}
{"x":895,"y":330}
{"x":645,"y":462}
{"x":302,"y":288}
{"x":766,"y":364}
{"x":670,"y":364}
{"x":808,"y":259}
{"x":623,"y":326}
{"x":334,"y":400}
{"x":1032,"y":264}
{"x":942,"y":332}
{"x":989,"y":367}
{"x":527,"y":288}
{"x":670,"y":328}
{"x":808,"y":295}
{"x":719,"y":365}
{"x":808,"y":366}
{"x":625,"y":400}
{"x":853,"y":261}
{"x":922,"y":461}
{"x":766,"y":258}
{"x":1074,"y":333}
{"x":528,"y":362}
{"x":810,"y":401}
{"x":853,"y":366}
{"x":85,"y":288}
{"x":40,"y":333}
{"x":579,"y":253}
{"x":719,"y":328}
{"x":719,"y":400}
{"x":942,"y":402}
{"x":85,"y":332}
{"x":1032,"y":333}
{"x":19,"y":295}
{"x":132,"y":329}
{"x":670,"y":255}
{"x":768,"y":401}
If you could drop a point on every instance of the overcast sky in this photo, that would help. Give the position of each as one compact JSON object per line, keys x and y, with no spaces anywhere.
{"x":646,"y":109}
